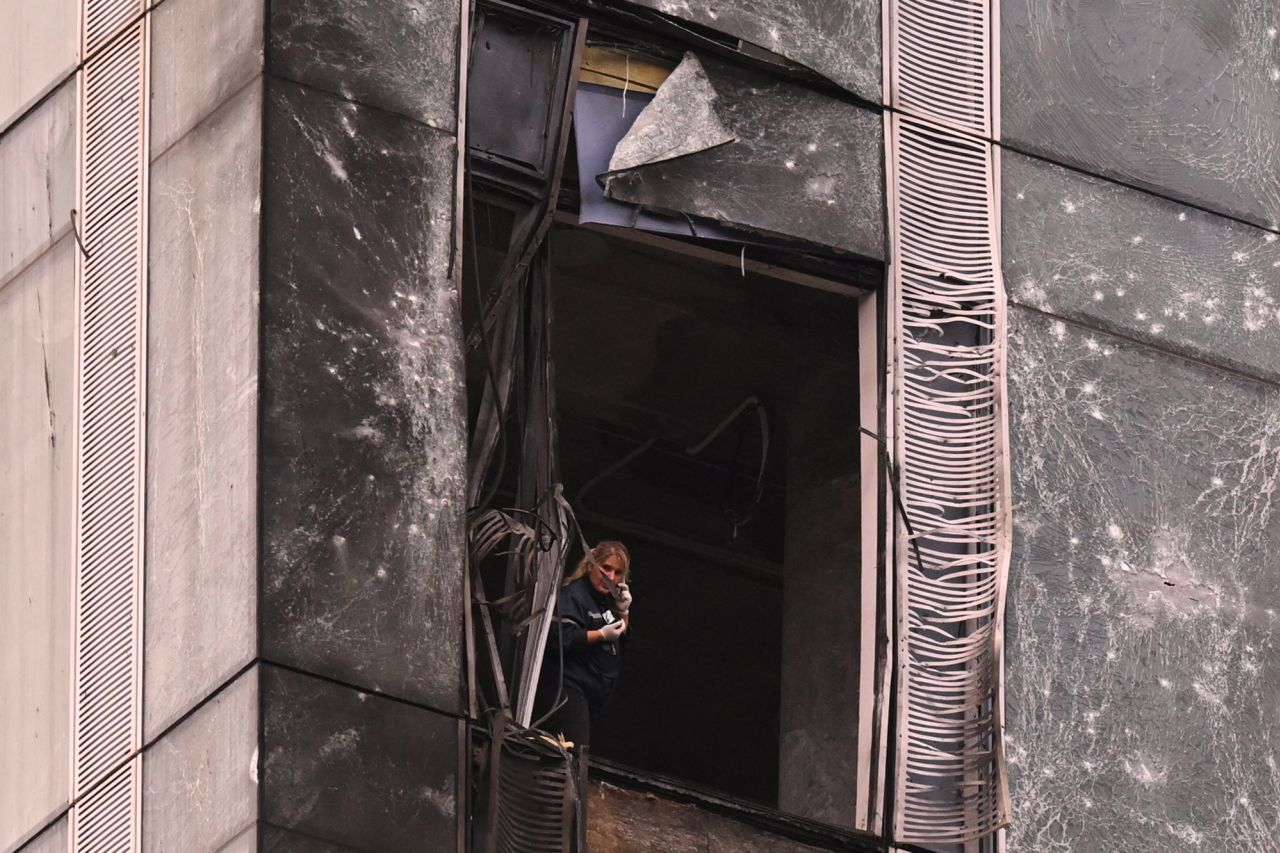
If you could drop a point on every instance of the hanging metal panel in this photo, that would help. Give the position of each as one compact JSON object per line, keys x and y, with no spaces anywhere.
{"x":947,"y":377}
{"x":534,"y":792}
{"x":111,"y":333}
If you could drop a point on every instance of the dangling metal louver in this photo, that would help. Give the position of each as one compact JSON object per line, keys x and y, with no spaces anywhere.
{"x":947,"y":339}
{"x":534,"y":792}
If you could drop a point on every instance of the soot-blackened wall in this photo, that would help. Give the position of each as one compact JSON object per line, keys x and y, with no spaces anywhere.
{"x":363,"y":461}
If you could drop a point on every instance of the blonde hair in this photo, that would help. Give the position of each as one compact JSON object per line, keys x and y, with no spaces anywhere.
{"x":602,"y":551}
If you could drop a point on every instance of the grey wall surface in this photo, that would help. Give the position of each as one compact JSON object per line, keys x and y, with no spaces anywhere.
{"x":363,"y":462}
{"x":37,"y":375}
{"x":200,"y":780}
{"x":202,"y":53}
{"x":39,"y":47}
{"x":397,"y":57}
{"x":1144,"y":669}
{"x":1142,"y":267}
{"x":201,"y":464}
{"x":37,"y":367}
{"x":202,"y":503}
{"x":1178,"y":96}
{"x":363,"y":471}
{"x":53,"y":839}
{"x":37,"y":160}
{"x":1142,"y":664}
{"x":201,"y":607}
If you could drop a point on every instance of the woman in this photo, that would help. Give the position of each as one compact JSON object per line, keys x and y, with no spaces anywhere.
{"x":583,"y":648}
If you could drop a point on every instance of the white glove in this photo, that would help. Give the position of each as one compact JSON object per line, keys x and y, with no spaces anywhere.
{"x":623,"y":599}
{"x":613,"y":631}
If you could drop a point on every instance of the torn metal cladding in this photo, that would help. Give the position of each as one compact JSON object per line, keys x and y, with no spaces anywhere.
{"x":680,"y":120}
{"x":840,"y":41}
{"x":946,"y":318}
{"x":754,"y":153}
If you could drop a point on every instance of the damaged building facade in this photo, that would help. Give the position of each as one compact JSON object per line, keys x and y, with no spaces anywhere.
{"x":918,"y":350}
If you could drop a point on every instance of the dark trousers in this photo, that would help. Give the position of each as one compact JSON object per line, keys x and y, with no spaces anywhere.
{"x":572,"y":719}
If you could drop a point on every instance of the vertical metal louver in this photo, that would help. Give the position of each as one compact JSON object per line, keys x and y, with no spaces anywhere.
{"x":947,"y":328}
{"x":106,"y":820}
{"x":940,"y":63}
{"x":111,"y":334}
{"x":104,"y":19}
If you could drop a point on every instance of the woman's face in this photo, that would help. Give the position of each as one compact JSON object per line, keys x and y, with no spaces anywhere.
{"x":609,"y":567}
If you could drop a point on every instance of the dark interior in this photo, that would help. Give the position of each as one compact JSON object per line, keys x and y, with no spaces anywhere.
{"x":648,"y":343}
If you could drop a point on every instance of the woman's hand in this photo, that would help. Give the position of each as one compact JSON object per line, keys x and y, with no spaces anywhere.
{"x":622,"y":598}
{"x":610,"y":633}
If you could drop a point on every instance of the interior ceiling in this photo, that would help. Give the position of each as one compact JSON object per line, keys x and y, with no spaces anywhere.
{"x":658,"y":343}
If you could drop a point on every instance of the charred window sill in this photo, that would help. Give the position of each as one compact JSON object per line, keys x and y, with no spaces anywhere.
{"x":781,"y":824}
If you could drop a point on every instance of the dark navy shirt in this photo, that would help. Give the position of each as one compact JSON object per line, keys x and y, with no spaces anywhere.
{"x":592,"y":669}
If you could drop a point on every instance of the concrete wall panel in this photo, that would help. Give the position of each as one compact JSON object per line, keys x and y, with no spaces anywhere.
{"x":39,"y":46}
{"x":200,"y":781}
{"x":245,"y":842}
{"x":38,"y":176}
{"x":202,"y":51}
{"x":37,"y":375}
{"x":52,"y":840}
{"x":202,"y":539}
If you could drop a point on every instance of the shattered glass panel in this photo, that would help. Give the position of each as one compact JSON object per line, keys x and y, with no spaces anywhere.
{"x":1144,"y":667}
{"x":1141,"y":266}
{"x":1178,"y":96}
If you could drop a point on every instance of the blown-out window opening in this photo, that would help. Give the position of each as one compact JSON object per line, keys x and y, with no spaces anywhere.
{"x":676,"y":338}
